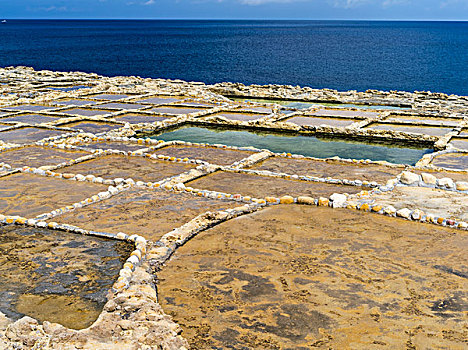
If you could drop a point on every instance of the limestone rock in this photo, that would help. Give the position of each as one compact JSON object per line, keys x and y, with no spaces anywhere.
{"x":429,"y":179}
{"x":409,"y":178}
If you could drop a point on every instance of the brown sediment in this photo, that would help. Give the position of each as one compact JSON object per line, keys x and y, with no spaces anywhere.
{"x":343,"y":113}
{"x":117,"y":105}
{"x":264,"y":186}
{"x":424,"y":120}
{"x":331,"y":168}
{"x":175,"y":110}
{"x":450,"y":161}
{"x":212,"y":155}
{"x":30,"y":118}
{"x":460,"y":143}
{"x":139,"y":118}
{"x":75,"y":102}
{"x":85,"y":112}
{"x":30,"y":195}
{"x":92,"y":127}
{"x":35,"y":108}
{"x":56,"y":276}
{"x":35,"y":156}
{"x":160,"y":99}
{"x":148,"y":212}
{"x":304,"y":121}
{"x":111,"y":97}
{"x":121,"y":146}
{"x":28,"y":135}
{"x":296,"y":277}
{"x":426,"y":130}
{"x":119,"y":166}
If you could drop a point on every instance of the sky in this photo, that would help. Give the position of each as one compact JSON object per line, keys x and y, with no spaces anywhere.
{"x":236,"y":9}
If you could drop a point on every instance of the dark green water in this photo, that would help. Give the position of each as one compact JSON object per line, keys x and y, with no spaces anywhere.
{"x":296,"y":144}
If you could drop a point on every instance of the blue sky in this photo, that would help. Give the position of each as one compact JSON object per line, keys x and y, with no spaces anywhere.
{"x":238,"y":9}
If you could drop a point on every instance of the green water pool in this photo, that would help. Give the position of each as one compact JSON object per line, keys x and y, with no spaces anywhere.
{"x":298,"y":144}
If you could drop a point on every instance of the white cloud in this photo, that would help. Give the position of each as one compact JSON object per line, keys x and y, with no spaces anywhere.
{"x":347,"y":4}
{"x":149,"y":2}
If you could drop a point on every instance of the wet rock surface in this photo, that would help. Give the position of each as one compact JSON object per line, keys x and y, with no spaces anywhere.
{"x":137,"y":168}
{"x":330,"y":168}
{"x":148,"y":212}
{"x":28,"y":135}
{"x":208,"y":154}
{"x":298,"y":277}
{"x":29,"y":195}
{"x":56,"y":276}
{"x":263,"y":186}
{"x":38,"y":156}
{"x":289,"y":276}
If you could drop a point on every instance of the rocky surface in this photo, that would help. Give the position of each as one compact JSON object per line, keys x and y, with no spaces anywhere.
{"x":75,"y":157}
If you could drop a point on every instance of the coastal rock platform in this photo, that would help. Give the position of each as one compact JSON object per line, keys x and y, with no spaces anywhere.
{"x":229,"y":216}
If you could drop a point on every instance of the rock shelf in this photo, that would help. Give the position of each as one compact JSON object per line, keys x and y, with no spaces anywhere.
{"x":242,"y":247}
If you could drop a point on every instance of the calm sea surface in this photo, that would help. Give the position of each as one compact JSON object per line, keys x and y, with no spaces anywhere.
{"x":335,"y":54}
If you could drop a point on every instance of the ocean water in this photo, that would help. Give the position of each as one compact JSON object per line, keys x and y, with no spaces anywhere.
{"x":341,"y":55}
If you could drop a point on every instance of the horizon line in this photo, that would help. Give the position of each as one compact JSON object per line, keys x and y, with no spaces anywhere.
{"x":235,"y":19}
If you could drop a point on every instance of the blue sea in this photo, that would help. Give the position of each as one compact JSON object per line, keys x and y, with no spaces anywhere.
{"x":340,"y":55}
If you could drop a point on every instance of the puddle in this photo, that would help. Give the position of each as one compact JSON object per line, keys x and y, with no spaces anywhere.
{"x":298,"y":144}
{"x":137,"y":168}
{"x":451,"y":161}
{"x":28,"y":135}
{"x":310,"y":121}
{"x":425,"y":120}
{"x":238,"y":116}
{"x":55,"y":276}
{"x":92,"y":127}
{"x":262,"y":186}
{"x":286,"y":103}
{"x":303,"y":105}
{"x":148,"y":212}
{"x":300,"y":277}
{"x":208,"y":154}
{"x":31,"y":119}
{"x":160,"y":100}
{"x":111,"y":97}
{"x":30,"y":195}
{"x":331,"y":168}
{"x":175,"y":110}
{"x":38,"y":156}
{"x":32,"y":108}
{"x":72,"y":88}
{"x":74,"y":102}
{"x":115,"y":105}
{"x":139,"y":118}
{"x":201,"y":104}
{"x":343,"y":113}
{"x":120,"y":145}
{"x":425,"y":130}
{"x":460,"y":143}
{"x":86,"y":112}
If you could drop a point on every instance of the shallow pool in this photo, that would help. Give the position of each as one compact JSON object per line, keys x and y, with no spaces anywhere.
{"x":304,"y":105}
{"x":298,"y":144}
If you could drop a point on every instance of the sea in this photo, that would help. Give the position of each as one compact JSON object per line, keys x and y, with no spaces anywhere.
{"x":342,"y":55}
